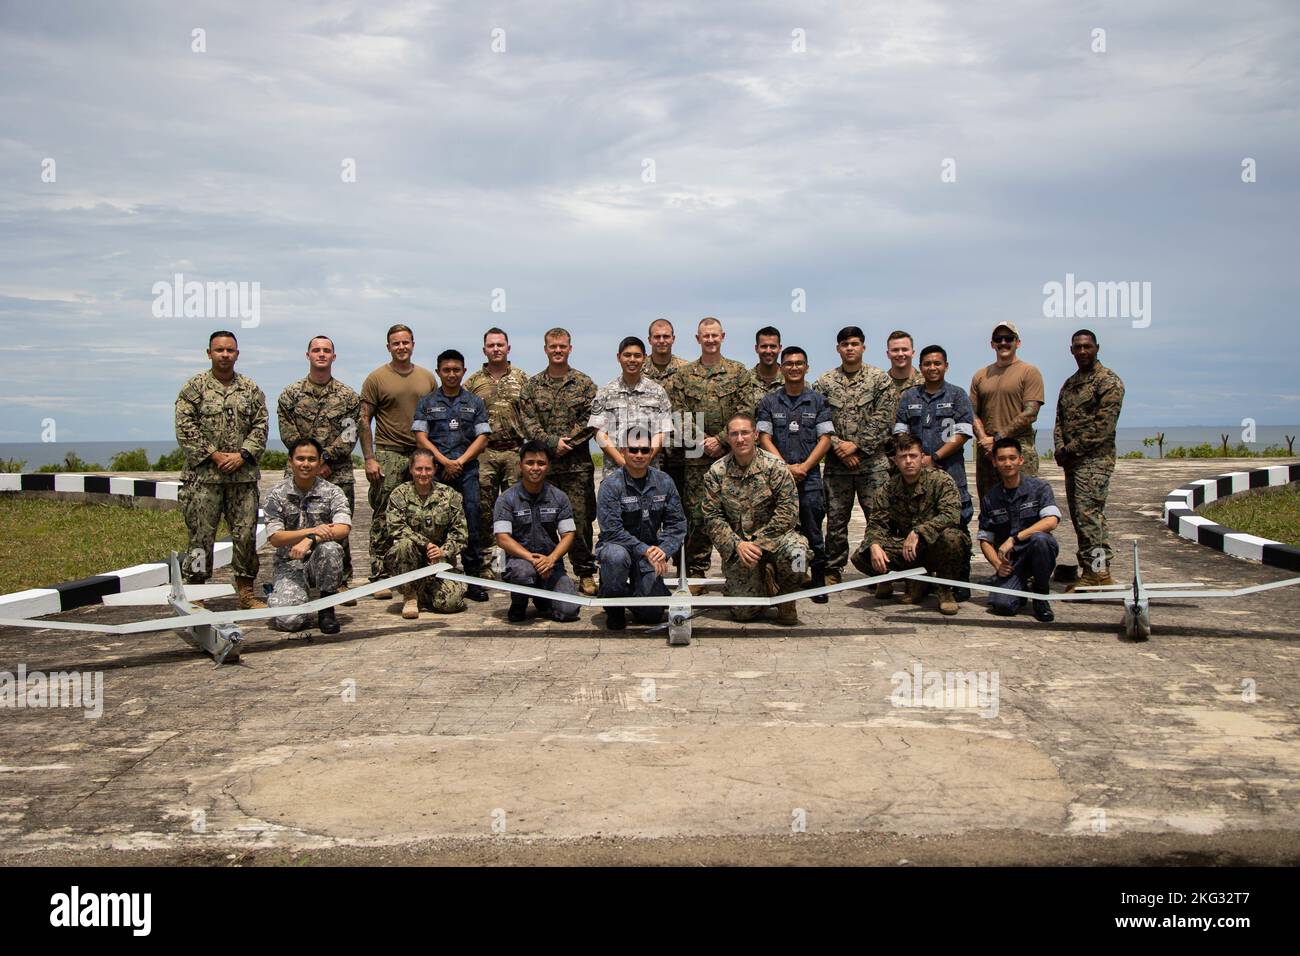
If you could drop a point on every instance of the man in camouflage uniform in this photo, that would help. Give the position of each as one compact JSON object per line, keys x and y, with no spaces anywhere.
{"x":915,"y":522}
{"x":662,"y":368}
{"x":1087,"y":413}
{"x":899,"y":349}
{"x":321,"y":407}
{"x":306,"y":518}
{"x":862,"y":404}
{"x":554,"y":409}
{"x":221,"y":425}
{"x":767,"y":371}
{"x":707,"y":393}
{"x":751,"y":515}
{"x":630,"y":399}
{"x":498,"y":384}
{"x":425,"y":524}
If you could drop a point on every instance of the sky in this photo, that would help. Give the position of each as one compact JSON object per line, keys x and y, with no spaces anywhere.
{"x":918,"y":165}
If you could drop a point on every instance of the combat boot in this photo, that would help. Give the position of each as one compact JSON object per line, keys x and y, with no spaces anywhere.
{"x":833,"y":577}
{"x":787,"y":614}
{"x":411,"y":606}
{"x":914,"y":593}
{"x":588,"y":585}
{"x":884,"y":590}
{"x":384,"y":595}
{"x":819,"y":581}
{"x":325,"y":620}
{"x":248,"y":600}
{"x":947,"y":601}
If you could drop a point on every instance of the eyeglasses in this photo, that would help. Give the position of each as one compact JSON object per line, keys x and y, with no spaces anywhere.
{"x":793,"y":364}
{"x":639,"y":451}
{"x":1004,"y":339}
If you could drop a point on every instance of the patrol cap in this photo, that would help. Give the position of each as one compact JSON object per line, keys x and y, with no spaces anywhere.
{"x":1009,"y":326}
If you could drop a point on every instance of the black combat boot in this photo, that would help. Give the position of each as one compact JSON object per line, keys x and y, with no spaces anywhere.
{"x":819,"y":581}
{"x":616,"y":618}
{"x":518,"y":608}
{"x":325,"y":620}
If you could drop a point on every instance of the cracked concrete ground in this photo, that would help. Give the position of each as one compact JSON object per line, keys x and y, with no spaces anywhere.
{"x":466,"y":739}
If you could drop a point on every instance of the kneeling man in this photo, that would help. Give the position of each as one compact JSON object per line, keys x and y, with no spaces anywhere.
{"x":426,"y":524}
{"x":751,"y":515}
{"x":1017,"y":518}
{"x":534,"y":525}
{"x":306,"y":519}
{"x":641,"y":524}
{"x":915,"y":522}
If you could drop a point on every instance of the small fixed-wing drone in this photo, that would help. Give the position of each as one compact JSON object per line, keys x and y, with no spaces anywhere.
{"x":216,"y":632}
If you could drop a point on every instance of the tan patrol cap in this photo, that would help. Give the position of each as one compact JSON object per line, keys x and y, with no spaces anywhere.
{"x":1010,"y":326}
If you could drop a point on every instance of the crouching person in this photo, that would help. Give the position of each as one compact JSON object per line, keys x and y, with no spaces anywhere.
{"x":306,"y":519}
{"x":915,"y":523}
{"x":426,"y":524}
{"x":534,"y":525}
{"x":751,"y":514}
{"x":1017,"y":518}
{"x":641,"y":524}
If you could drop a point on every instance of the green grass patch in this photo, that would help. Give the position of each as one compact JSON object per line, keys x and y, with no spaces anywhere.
{"x":43,"y":543}
{"x":1272,"y":513}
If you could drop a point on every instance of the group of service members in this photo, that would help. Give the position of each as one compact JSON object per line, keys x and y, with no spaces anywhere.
{"x":698,"y":455}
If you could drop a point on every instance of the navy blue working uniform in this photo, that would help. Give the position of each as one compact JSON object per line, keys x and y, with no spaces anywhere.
{"x":796,"y":423}
{"x":452,"y":422}
{"x":636,"y":514}
{"x":935,"y":418}
{"x":537,"y":522}
{"x":1007,"y":511}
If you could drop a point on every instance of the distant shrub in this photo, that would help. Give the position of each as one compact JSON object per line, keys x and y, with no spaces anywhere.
{"x":1133,"y":454}
{"x":174,"y":460}
{"x":135,"y":460}
{"x":275,"y":460}
{"x":11,"y":466}
{"x":71,"y":462}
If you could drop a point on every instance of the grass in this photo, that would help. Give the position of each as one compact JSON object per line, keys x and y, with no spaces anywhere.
{"x":43,"y":543}
{"x":1273,"y":513}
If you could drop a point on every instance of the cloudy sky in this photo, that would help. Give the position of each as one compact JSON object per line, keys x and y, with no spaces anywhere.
{"x":617,"y":162}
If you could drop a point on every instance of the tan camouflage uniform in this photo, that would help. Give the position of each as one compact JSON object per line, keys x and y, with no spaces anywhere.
{"x":673,"y":458}
{"x":329,"y":413}
{"x":862,"y":408}
{"x":551,"y":409}
{"x":757,"y":503}
{"x":1087,"y":413}
{"x":900,"y":386}
{"x":931,"y":507}
{"x":767,"y":386}
{"x":705,"y":396}
{"x":499,"y":462}
{"x":230,"y":418}
{"x":412,"y":522}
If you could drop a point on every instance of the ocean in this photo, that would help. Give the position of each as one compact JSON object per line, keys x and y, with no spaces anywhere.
{"x":1127,"y":439}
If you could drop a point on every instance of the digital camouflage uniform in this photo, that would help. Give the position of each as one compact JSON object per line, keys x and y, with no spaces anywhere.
{"x":551,"y":409}
{"x":328,"y":413}
{"x":706,"y":396}
{"x":931,"y":507}
{"x":499,"y":463}
{"x":288,"y":509}
{"x":673,"y":459}
{"x":1087,"y":413}
{"x":414,"y":522}
{"x":230,"y":418}
{"x":862,"y":409}
{"x":618,"y":406}
{"x":756,"y":503}
{"x":766,"y":387}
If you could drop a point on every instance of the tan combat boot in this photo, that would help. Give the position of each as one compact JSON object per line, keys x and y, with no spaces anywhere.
{"x":884,"y":590}
{"x":833,"y":577}
{"x":411,"y":606}
{"x":384,"y":595}
{"x":787,"y":614}
{"x":248,"y":600}
{"x":947,"y":601}
{"x":588,"y":586}
{"x":914,"y":594}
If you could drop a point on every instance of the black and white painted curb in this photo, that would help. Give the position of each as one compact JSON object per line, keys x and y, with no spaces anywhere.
{"x":63,"y":597}
{"x":1181,"y":517}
